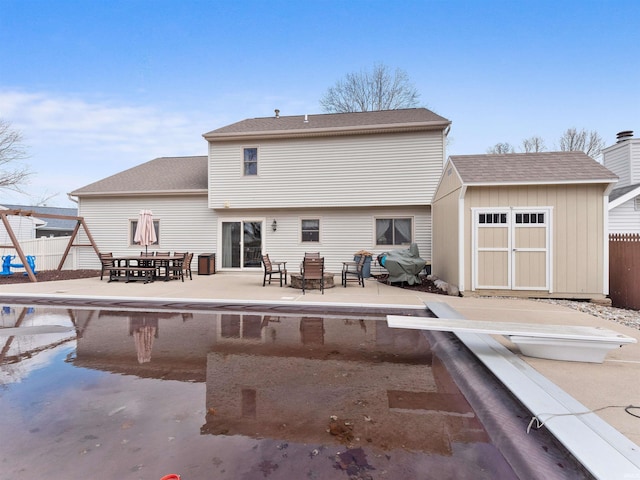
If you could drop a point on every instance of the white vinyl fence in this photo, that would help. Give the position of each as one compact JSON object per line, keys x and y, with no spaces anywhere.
{"x":48,"y":252}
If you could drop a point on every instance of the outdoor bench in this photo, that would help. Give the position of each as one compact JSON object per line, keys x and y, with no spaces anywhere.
{"x":131,"y":274}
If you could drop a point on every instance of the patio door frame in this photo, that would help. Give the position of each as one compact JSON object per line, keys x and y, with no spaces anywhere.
{"x":221,"y":251}
{"x":510,"y":249}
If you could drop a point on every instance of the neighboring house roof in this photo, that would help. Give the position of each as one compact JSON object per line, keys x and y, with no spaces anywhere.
{"x":530,"y":168}
{"x":165,"y":175}
{"x":57,"y":224}
{"x":621,"y":195}
{"x":410,"y":119}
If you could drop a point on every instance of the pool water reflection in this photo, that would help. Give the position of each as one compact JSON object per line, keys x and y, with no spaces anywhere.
{"x":222,"y":395}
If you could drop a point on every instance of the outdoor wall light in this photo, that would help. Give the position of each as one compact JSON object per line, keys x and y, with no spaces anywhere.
{"x":274,"y":225}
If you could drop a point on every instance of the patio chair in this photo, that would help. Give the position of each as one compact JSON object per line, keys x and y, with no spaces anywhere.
{"x":178,"y":267}
{"x":353,"y":271}
{"x":313,"y":269}
{"x":308,"y":255}
{"x":273,"y":268}
{"x":106,"y":259}
{"x":162,"y":266}
{"x":187,"y":265}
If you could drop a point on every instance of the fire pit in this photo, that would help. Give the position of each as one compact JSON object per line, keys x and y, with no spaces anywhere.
{"x":296,"y":281}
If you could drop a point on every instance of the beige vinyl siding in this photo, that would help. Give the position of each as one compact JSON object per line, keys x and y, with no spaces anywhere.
{"x":343,"y":171}
{"x":624,"y":218}
{"x":445,"y":263}
{"x":577,"y":241}
{"x":342,"y":233}
{"x":186,"y":224}
{"x":449,"y":182}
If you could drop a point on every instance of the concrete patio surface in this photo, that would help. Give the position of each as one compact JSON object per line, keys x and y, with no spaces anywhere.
{"x":606,"y":388}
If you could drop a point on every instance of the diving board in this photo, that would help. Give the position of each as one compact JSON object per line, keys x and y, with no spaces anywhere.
{"x":555,"y":342}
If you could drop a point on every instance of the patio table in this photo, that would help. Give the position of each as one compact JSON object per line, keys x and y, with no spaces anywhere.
{"x":142,"y":268}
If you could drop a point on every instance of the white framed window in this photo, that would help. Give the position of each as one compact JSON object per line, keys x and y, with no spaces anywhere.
{"x":310,"y":230}
{"x":636,"y":203}
{"x":250,"y":161}
{"x":394,"y":231}
{"x":133,"y":224}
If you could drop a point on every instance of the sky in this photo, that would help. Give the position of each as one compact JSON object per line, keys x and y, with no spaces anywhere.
{"x":96,"y":87}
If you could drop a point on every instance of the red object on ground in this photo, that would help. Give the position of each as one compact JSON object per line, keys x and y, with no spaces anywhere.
{"x":171,"y":476}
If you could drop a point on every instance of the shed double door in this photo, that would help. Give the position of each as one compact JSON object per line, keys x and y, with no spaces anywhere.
{"x":511,"y":248}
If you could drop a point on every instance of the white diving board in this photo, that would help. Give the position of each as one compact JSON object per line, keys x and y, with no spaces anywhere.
{"x":555,"y":342}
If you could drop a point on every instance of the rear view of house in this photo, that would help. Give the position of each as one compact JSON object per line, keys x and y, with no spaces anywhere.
{"x":530,"y":224}
{"x":334,"y":183}
{"x":283,"y":185}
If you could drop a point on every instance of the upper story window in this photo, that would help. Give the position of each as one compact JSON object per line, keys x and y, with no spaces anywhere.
{"x":310,"y":230}
{"x":132,"y":231}
{"x":394,"y":231}
{"x":250,"y":161}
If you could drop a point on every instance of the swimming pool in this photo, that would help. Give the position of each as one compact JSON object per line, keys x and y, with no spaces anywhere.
{"x":239,"y":392}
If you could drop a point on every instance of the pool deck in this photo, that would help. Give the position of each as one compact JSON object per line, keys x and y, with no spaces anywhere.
{"x":609,"y":386}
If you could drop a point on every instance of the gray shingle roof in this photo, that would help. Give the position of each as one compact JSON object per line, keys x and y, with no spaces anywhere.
{"x":52,"y":223}
{"x":619,"y":192}
{"x":161,"y":175}
{"x":331,"y":122}
{"x":545,"y":167}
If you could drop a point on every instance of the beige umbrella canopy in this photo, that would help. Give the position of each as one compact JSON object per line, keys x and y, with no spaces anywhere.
{"x":145,"y":233}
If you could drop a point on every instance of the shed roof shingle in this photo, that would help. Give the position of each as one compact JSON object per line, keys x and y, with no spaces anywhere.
{"x":542,"y":167}
{"x":161,"y":175}
{"x":332,"y":122}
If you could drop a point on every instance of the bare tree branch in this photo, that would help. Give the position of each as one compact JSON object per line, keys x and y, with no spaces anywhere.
{"x":500,"y":148}
{"x":12,"y":151}
{"x":574,"y":140}
{"x":366,"y":91}
{"x":533,"y":144}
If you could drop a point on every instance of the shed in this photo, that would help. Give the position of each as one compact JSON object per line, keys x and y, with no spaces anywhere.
{"x":523,"y":224}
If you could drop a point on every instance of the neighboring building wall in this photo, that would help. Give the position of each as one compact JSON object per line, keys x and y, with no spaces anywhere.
{"x":338,"y":171}
{"x":342,"y":232}
{"x":186,"y":224}
{"x":577,"y":235}
{"x":23,"y":228}
{"x":623,"y":159}
{"x":445,"y":262}
{"x":624,"y":218}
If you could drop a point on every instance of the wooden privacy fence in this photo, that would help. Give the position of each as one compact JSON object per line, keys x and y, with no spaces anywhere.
{"x":624,"y":270}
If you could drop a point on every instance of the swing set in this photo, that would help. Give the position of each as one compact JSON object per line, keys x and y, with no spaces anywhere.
{"x":27,"y":261}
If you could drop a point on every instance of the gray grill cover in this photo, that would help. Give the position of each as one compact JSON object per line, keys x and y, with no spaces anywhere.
{"x":403,"y":265}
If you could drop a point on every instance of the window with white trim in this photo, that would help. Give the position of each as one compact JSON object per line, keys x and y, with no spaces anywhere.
{"x":310,"y":229}
{"x":394,"y":231}
{"x":250,"y":161}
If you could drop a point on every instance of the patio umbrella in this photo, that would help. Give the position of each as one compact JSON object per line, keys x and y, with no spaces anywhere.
{"x":145,"y":233}
{"x":143,"y":338}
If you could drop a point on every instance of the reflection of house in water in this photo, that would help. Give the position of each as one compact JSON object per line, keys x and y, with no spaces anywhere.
{"x":301,"y":372}
{"x":284,"y":377}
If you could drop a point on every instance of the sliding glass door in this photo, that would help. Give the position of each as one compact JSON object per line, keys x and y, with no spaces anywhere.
{"x":241,"y":244}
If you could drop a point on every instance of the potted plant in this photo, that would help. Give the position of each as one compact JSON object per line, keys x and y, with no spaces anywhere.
{"x":366,"y":268}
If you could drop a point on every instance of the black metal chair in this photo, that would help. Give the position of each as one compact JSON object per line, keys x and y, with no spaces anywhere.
{"x":273,"y":268}
{"x":353,"y":271}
